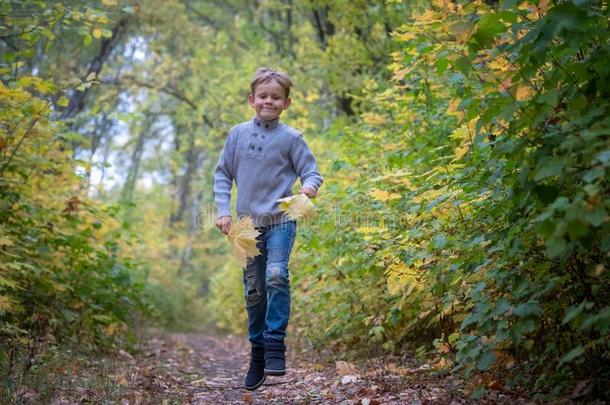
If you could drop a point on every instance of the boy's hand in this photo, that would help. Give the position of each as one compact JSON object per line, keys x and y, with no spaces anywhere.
{"x":308,"y":191}
{"x":224,"y":224}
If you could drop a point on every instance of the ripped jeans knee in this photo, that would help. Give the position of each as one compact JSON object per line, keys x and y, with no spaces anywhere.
{"x":254,"y":290}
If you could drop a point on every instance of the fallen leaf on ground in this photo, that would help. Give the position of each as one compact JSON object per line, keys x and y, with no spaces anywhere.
{"x":346,"y":379}
{"x":345,"y":368}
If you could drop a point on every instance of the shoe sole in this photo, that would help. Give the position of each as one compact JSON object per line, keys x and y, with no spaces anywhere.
{"x":275,"y":372}
{"x":257,"y":385}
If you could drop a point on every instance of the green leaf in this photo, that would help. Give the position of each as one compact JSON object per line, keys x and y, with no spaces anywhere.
{"x":556,"y":246}
{"x":549,"y":167}
{"x":576,"y":310}
{"x":531,"y":308}
{"x":63,"y":101}
{"x":571,"y":355}
{"x":486,"y":360}
{"x":593,"y":174}
{"x":439,"y":241}
{"x":596,"y":216}
{"x":576,"y":229}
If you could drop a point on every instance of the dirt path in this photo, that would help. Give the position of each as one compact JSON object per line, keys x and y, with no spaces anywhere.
{"x":202,"y":369}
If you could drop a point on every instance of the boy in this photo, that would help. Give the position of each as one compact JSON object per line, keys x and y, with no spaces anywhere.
{"x":264,"y":158}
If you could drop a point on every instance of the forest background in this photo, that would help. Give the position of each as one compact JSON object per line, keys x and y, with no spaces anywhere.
{"x":464,"y":145}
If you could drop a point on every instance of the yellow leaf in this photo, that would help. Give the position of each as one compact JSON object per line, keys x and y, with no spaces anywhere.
{"x":542,"y":7}
{"x":242,"y":237}
{"x":405,"y":36}
{"x":373,"y":118}
{"x":383,"y":195}
{"x":97,"y":33}
{"x":90,"y":76}
{"x":396,"y":177}
{"x":109,"y":3}
{"x":460,"y":151}
{"x":400,"y":279}
{"x":111,"y":329}
{"x":460,"y":133}
{"x":500,"y":63}
{"x":312,"y":96}
{"x":5,"y":241}
{"x":444,"y":348}
{"x":428,"y":17}
{"x":428,"y":195}
{"x":297,"y":206}
{"x":398,"y":75}
{"x":371,"y":229}
{"x":523,"y":93}
{"x":63,"y":101}
{"x":5,"y":304}
{"x":452,"y":108}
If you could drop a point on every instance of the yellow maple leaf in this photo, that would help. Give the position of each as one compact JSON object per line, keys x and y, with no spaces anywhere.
{"x":383,"y":195}
{"x":405,"y":36}
{"x":242,"y":237}
{"x":399,"y":74}
{"x":5,"y":304}
{"x":500,"y":63}
{"x":371,"y":229}
{"x":428,"y":17}
{"x":400,"y":279}
{"x":297,"y":206}
{"x":453,"y":107}
{"x":523,"y":93}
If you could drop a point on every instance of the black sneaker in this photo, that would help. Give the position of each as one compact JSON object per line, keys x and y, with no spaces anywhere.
{"x":275,"y":358}
{"x":256,"y":373}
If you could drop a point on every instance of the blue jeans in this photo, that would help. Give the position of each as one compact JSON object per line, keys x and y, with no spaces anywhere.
{"x":267,"y":284}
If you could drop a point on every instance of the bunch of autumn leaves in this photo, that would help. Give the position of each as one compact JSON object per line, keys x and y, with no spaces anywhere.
{"x":242,"y":235}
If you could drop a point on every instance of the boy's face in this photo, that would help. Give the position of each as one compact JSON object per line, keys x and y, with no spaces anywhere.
{"x":269,"y":100}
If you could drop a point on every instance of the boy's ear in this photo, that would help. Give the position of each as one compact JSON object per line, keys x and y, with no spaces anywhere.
{"x":287,"y":103}
{"x":251,"y":100}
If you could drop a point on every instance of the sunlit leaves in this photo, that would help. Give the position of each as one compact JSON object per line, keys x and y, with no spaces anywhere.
{"x":383,"y":196}
{"x":505,"y":154}
{"x":54,"y":255}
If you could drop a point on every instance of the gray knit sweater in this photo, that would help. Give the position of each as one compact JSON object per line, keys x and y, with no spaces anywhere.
{"x":264,"y":159}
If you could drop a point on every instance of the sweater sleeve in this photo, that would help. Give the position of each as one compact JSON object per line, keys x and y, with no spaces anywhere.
{"x":224,"y":175}
{"x":304,"y":164}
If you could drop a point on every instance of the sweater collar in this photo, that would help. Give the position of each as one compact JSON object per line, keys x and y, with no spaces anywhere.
{"x":266,"y":124}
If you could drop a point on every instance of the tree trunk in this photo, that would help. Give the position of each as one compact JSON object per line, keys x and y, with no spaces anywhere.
{"x":193,"y":163}
{"x":136,"y":159}
{"x":77,"y":100}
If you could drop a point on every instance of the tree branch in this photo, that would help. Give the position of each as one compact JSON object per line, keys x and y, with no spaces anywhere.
{"x":170,"y":91}
{"x":77,"y":101}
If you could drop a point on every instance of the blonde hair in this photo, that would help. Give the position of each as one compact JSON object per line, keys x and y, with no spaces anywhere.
{"x":265,"y":75}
